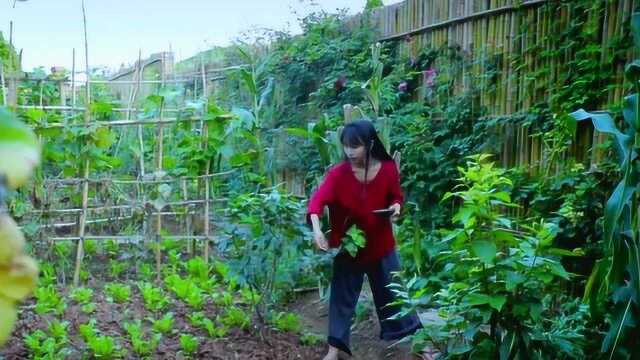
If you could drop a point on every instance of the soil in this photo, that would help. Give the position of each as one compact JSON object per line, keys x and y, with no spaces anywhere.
{"x":365,"y":341}
{"x":238,"y":344}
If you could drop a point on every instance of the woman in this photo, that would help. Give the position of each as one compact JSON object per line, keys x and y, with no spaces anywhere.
{"x":367,"y":180}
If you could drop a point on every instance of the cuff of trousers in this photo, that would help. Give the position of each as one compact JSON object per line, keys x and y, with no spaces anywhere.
{"x":336,"y":343}
{"x":400,"y":334}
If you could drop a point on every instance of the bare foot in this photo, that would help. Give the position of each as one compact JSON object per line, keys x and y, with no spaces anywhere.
{"x":332,"y":354}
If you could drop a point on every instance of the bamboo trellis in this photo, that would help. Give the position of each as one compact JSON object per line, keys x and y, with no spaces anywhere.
{"x":122,"y":211}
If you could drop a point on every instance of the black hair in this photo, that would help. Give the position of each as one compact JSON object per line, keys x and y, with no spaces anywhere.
{"x":362,"y":133}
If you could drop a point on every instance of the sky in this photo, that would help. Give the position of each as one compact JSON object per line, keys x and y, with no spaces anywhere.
{"x":48,"y":30}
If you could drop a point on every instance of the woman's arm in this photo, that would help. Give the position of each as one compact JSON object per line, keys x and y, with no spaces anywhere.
{"x":321,"y":198}
{"x":318,"y":235}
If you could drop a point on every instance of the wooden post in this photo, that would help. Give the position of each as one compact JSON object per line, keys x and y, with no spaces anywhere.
{"x":85,"y":175}
{"x":207,"y":180}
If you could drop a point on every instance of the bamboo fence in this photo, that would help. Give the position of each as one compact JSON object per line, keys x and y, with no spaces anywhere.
{"x":501,"y":42}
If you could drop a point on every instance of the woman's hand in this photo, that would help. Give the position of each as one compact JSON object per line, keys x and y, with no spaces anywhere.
{"x":396,"y":211}
{"x":320,"y":240}
{"x":318,"y":235}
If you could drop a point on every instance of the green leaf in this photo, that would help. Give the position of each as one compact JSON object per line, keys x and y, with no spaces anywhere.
{"x":603,"y":122}
{"x":249,"y":82}
{"x":495,"y":301}
{"x":622,"y":317}
{"x":485,"y":250}
{"x":629,"y":110}
{"x":635,"y":28}
{"x":615,"y":207}
{"x":301,"y":133}
{"x":632,"y":71}
{"x":595,"y":288}
{"x":513,"y":279}
{"x":104,"y":138}
{"x":565,"y":252}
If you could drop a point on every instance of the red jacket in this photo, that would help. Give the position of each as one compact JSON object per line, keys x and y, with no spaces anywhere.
{"x":351,"y":202}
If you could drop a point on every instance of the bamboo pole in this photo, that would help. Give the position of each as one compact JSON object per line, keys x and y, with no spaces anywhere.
{"x":82,"y":109}
{"x":118,"y":207}
{"x":73,"y":82}
{"x":122,"y":238}
{"x":72,"y":181}
{"x":205,"y":139}
{"x":3,"y":85}
{"x":185,"y":196}
{"x":435,"y":22}
{"x":159,"y":157}
{"x":85,"y":184}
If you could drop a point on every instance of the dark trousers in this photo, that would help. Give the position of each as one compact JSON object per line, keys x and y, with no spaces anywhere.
{"x":345,"y":290}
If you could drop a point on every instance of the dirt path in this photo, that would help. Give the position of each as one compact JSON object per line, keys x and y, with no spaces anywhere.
{"x":365,"y":342}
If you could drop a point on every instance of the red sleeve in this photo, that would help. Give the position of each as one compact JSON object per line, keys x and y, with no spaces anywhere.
{"x":395,"y":195}
{"x":323,"y":196}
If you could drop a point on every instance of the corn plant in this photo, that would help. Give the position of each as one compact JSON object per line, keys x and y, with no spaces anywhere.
{"x":616,"y":276}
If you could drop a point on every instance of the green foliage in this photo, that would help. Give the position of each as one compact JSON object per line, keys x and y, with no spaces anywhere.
{"x":49,"y":346}
{"x":189,"y":344}
{"x":141,"y":346}
{"x":266,"y":241}
{"x":310,"y":339}
{"x":117,"y":267}
{"x":499,"y":275}
{"x":118,"y":293}
{"x":82,"y":295}
{"x":49,"y":300}
{"x":372,"y":4}
{"x":100,"y":346}
{"x":163,"y":325}
{"x":235,"y":317}
{"x":353,"y":241}
{"x":617,"y":276}
{"x":288,"y":322}
{"x":154,"y":298}
{"x":200,"y":320}
{"x":186,"y":290}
